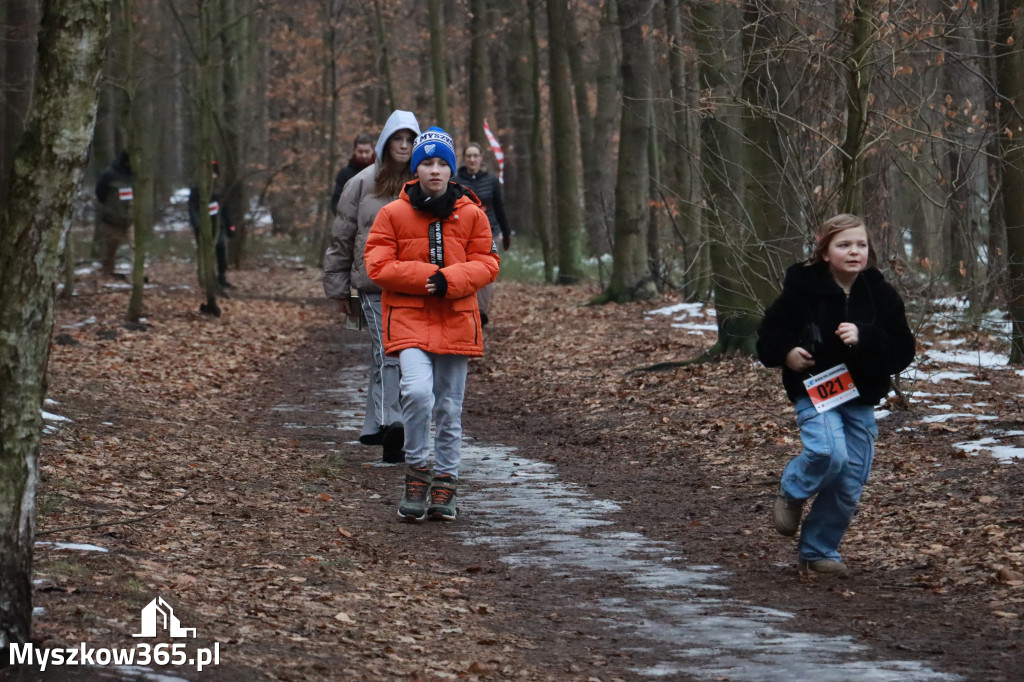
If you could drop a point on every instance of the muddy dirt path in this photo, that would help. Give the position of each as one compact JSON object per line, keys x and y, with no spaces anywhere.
{"x":614,"y":526}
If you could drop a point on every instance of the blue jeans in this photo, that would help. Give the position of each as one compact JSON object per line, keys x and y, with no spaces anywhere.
{"x":839,"y":447}
{"x":433,"y":386}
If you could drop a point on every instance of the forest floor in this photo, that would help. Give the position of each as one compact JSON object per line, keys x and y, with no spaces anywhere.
{"x":184,"y":460}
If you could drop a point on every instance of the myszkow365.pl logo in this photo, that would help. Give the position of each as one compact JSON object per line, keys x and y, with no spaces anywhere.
{"x":157,"y":616}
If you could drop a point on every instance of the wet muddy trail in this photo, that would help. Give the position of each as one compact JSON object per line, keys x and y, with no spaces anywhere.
{"x":590,"y":583}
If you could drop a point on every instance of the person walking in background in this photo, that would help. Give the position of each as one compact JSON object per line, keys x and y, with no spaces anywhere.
{"x":836,"y":316}
{"x":114,"y":214}
{"x":487,"y":189}
{"x":431,"y":251}
{"x":345,"y":272}
{"x":362,"y":156}
{"x":223,"y":227}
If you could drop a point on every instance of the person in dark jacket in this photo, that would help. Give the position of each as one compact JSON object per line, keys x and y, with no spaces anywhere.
{"x":222,"y":225}
{"x":114,"y":215}
{"x":487,"y":189}
{"x":362,"y":156}
{"x":836,"y":312}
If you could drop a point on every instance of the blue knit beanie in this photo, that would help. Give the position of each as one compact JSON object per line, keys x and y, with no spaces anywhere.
{"x":433,"y":142}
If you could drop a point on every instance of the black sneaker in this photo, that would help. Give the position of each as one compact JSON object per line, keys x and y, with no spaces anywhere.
{"x":373,"y":438}
{"x":442,"y":498}
{"x":393,"y":455}
{"x":414,"y":498}
{"x":393,"y":439}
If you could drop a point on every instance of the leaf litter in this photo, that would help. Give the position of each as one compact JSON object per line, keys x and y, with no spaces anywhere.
{"x":294,"y":562}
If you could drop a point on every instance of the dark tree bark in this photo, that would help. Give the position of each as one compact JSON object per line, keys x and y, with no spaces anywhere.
{"x":631,"y":275}
{"x":19,"y":22}
{"x":47,"y":172}
{"x":1010,"y":75}
{"x":437,"y":65}
{"x":682,"y":156}
{"x":717,"y":29}
{"x":565,"y":139}
{"x":477,"y":70}
{"x":858,"y":83}
{"x":538,"y":161}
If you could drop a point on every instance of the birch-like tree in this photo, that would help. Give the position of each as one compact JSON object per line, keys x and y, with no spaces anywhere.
{"x":47,"y":172}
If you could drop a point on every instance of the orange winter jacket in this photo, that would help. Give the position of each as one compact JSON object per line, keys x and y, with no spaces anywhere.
{"x":398,"y":256}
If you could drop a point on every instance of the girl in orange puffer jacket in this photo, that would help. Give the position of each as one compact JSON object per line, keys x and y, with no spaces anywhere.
{"x":430,"y":251}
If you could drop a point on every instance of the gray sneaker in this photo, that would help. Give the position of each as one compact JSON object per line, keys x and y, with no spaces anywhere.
{"x":414,"y":497}
{"x":826,"y":568}
{"x":786,"y":514}
{"x":442,"y":498}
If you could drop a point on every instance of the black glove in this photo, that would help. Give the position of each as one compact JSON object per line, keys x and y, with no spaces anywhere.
{"x":506,"y":241}
{"x":441,"y":284}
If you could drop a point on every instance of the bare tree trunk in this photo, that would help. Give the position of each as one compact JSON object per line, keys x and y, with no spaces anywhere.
{"x":50,"y":163}
{"x":631,"y":274}
{"x":205,"y":261}
{"x":538,"y":161}
{"x":437,"y":65}
{"x":142,"y":147}
{"x":598,"y":176}
{"x":718,"y":44}
{"x":477,"y":70}
{"x":19,"y":22}
{"x":683,"y":157}
{"x":568,"y":216}
{"x":385,"y":55}
{"x":519,"y":112}
{"x":858,"y":82}
{"x":1010,"y":75}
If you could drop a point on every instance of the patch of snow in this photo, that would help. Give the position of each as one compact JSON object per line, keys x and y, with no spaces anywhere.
{"x":993,"y":446}
{"x":980,"y":358}
{"x":936,"y":418}
{"x":72,"y":546}
{"x":688,"y":308}
{"x":948,"y":376}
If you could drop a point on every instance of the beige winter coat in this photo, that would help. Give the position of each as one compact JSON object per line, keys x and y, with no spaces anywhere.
{"x":343,"y":262}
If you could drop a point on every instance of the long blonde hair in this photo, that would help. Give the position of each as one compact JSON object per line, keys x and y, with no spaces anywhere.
{"x":827,"y":231}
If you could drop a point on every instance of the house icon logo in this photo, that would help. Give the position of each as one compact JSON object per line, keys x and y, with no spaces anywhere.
{"x":159,"y":612}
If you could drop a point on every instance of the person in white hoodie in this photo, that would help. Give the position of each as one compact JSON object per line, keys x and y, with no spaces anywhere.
{"x":364,"y":195}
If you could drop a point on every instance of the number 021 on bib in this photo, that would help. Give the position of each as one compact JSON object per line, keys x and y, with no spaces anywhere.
{"x":832,"y":387}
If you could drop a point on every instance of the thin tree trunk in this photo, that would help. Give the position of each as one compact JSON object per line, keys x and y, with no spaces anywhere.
{"x":568,"y":216}
{"x":50,"y":163}
{"x":141,"y":144}
{"x":385,"y":55}
{"x":19,"y":21}
{"x":1010,"y":75}
{"x":631,"y":274}
{"x":205,"y":261}
{"x":538,"y":161}
{"x":477,"y":70}
{"x":437,"y":65}
{"x":598,"y":177}
{"x":682,"y":157}
{"x":858,"y":82}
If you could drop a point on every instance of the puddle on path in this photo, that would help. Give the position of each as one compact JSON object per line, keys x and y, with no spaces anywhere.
{"x":682,"y":611}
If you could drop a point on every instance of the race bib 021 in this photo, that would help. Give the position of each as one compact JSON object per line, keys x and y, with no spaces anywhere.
{"x":832,"y":387}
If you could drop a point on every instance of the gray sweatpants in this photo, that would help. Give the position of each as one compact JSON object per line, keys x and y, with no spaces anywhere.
{"x":433,"y":386}
{"x":382,"y":404}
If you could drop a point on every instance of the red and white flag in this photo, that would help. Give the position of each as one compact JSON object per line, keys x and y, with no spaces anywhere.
{"x":496,"y":148}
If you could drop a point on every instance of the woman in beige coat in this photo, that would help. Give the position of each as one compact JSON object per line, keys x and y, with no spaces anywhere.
{"x":364,"y":195}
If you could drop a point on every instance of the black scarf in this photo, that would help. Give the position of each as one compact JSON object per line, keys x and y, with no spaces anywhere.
{"x":442,"y":206}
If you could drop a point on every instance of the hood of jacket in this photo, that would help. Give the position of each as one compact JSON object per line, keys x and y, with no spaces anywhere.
{"x":398,"y":120}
